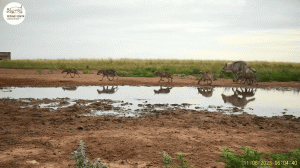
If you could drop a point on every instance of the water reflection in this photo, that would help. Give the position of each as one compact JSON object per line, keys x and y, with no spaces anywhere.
{"x":163,"y":91}
{"x":106,"y":90}
{"x":247,"y":92}
{"x":6,"y":89}
{"x":206,"y":91}
{"x":69,"y":88}
{"x":264,"y":101}
{"x":237,"y":101}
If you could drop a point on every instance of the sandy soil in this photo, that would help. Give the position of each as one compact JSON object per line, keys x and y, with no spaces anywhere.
{"x":30,"y":133}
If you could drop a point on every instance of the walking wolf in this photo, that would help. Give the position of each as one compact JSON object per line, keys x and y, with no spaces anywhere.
{"x":236,"y":67}
{"x":206,"y":77}
{"x":110,"y":72}
{"x":70,"y":71}
{"x":250,"y":78}
{"x":164,"y":75}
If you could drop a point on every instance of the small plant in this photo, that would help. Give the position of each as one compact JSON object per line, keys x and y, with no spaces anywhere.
{"x":39,"y":71}
{"x":167,"y":160}
{"x":86,"y":71}
{"x":51,"y":70}
{"x":82,"y":161}
{"x":246,"y":160}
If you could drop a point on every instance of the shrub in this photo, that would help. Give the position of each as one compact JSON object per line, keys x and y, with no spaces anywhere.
{"x":86,"y":71}
{"x":247,"y":160}
{"x":167,"y":160}
{"x":292,"y":159}
{"x":82,"y":161}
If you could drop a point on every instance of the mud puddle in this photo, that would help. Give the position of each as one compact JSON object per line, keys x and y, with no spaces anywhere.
{"x":138,"y":100}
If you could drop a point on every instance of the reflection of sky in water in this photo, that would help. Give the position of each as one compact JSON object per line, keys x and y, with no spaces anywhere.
{"x":266,"y":103}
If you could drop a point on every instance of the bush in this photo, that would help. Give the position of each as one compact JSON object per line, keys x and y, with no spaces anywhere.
{"x":167,"y":160}
{"x":86,"y":71}
{"x":82,"y":161}
{"x":253,"y":159}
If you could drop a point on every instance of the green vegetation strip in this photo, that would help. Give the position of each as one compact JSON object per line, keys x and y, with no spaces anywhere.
{"x":266,"y":71}
{"x":253,"y":159}
{"x":249,"y":159}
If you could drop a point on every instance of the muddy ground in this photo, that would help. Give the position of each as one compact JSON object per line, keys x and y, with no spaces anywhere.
{"x":31,"y":136}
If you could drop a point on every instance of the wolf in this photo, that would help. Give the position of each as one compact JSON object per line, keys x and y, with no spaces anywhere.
{"x":164,"y":75}
{"x":206,"y":77}
{"x":236,"y":67}
{"x":110,"y":72}
{"x":70,"y":71}
{"x":247,"y":77}
{"x":107,"y":90}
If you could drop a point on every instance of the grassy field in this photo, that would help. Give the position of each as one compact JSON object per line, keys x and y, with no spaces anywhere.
{"x":266,"y":71}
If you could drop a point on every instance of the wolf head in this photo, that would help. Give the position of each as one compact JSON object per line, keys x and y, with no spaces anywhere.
{"x":227,"y":67}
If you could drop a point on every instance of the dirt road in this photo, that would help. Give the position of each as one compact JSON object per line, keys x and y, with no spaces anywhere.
{"x":30,"y":133}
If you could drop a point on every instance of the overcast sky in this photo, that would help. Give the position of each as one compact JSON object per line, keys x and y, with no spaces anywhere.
{"x":264,"y":30}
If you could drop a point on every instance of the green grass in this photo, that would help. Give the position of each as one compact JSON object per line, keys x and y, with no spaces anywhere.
{"x":266,"y":71}
{"x":253,"y":159}
{"x":167,"y":160}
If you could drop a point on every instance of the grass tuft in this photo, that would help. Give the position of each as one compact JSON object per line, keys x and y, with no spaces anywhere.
{"x":253,"y":159}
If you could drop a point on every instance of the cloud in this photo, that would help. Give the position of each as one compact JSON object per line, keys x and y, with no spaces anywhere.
{"x":284,"y":37}
{"x":282,"y":46}
{"x":234,"y":29}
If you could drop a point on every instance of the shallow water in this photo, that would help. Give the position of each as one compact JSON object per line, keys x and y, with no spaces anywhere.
{"x":261,"y":102}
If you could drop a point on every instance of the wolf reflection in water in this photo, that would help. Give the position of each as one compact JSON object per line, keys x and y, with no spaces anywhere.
{"x":106,"y":90}
{"x":69,"y":88}
{"x":206,"y":91}
{"x":163,"y":91}
{"x":237,"y":101}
